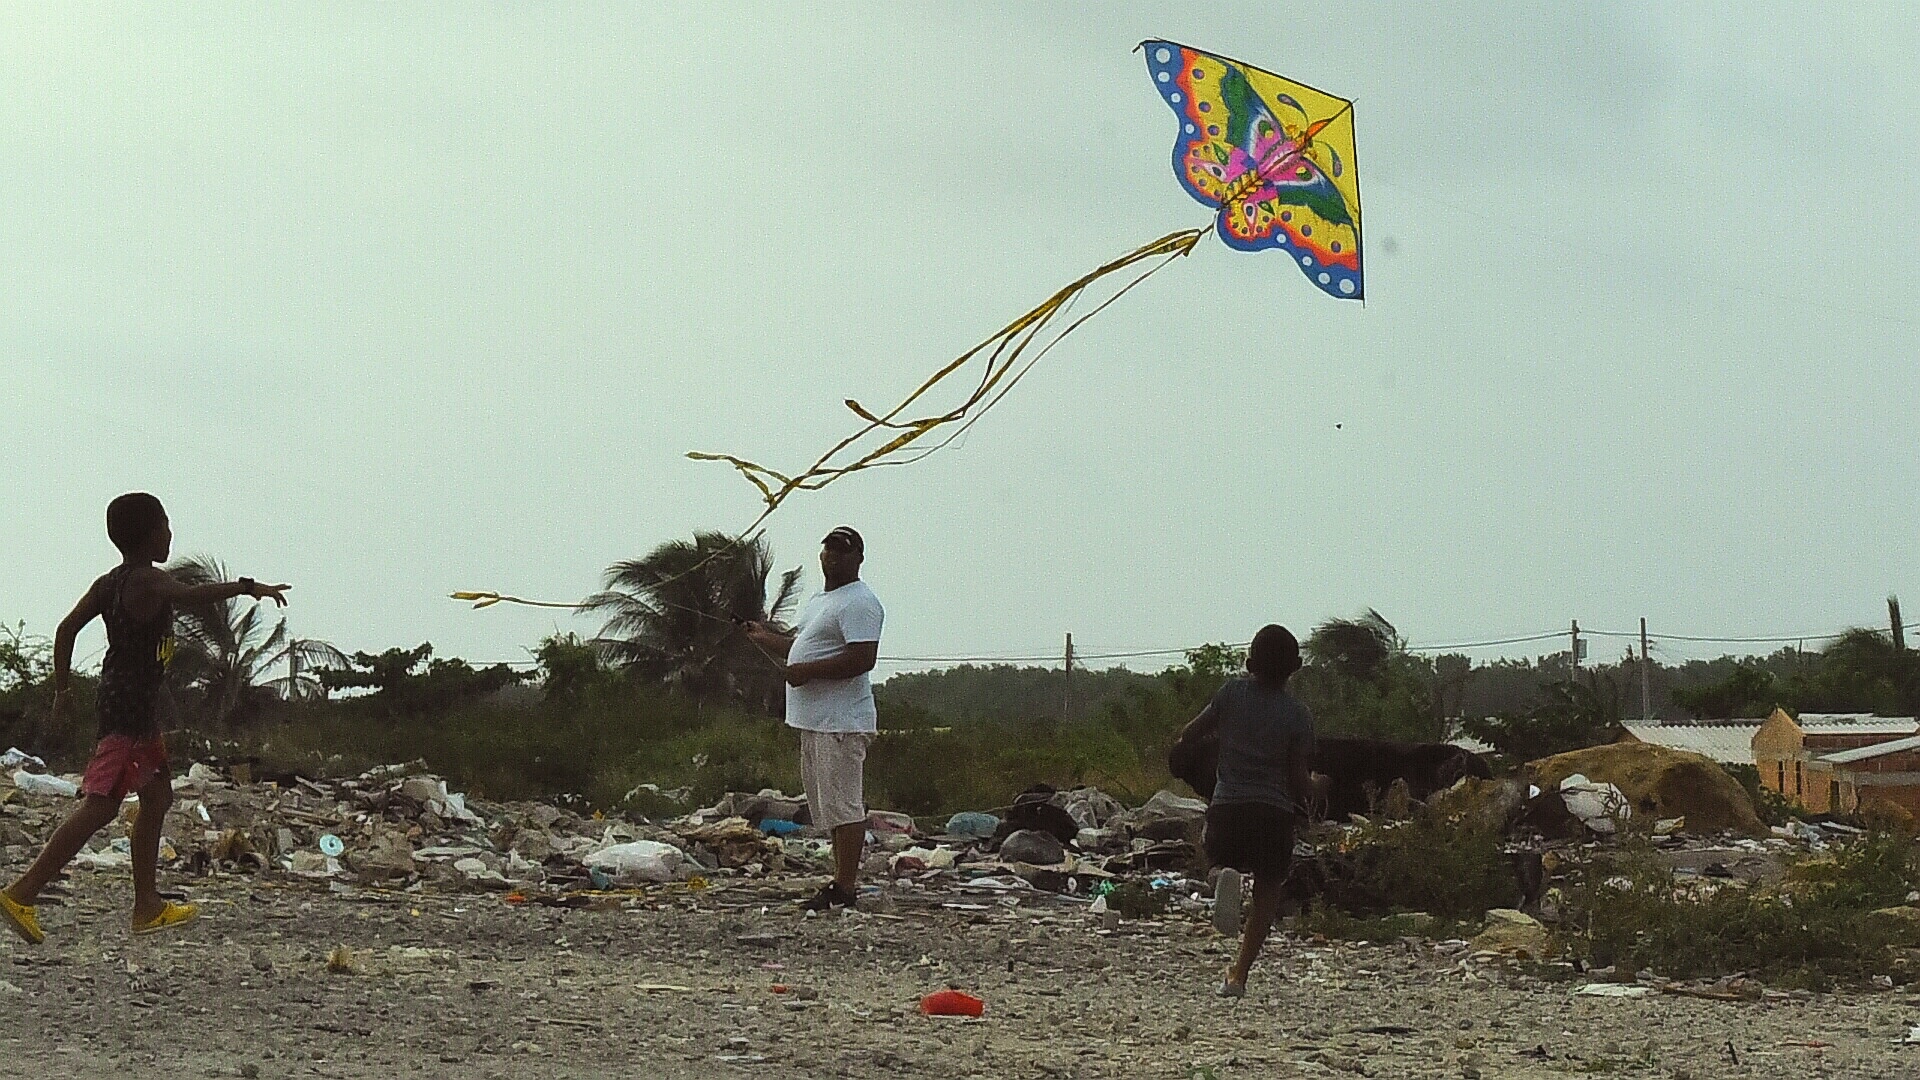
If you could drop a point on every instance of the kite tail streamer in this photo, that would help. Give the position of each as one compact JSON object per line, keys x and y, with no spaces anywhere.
{"x":1006,"y":363}
{"x":488,"y":599}
{"x":1003,"y":369}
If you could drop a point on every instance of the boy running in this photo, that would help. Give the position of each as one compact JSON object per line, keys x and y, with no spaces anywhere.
{"x":136,"y":601}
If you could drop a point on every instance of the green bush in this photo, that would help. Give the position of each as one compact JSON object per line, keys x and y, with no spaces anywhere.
{"x":1772,"y":807}
{"x":1426,"y":864}
{"x":596,"y":746}
{"x":1630,"y":911}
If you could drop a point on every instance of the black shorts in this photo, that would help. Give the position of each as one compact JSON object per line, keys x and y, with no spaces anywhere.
{"x":1256,"y":838}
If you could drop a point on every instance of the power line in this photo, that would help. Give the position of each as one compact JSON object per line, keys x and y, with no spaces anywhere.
{"x":1780,"y":640}
{"x":1488,"y":644}
{"x":1412,"y":648}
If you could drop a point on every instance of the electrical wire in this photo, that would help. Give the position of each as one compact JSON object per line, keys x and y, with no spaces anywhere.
{"x":1135,"y":654}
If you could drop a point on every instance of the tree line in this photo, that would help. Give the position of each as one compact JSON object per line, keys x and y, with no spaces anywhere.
{"x":670,"y":643}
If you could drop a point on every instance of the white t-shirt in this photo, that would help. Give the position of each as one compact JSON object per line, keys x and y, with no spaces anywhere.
{"x":828,"y":624}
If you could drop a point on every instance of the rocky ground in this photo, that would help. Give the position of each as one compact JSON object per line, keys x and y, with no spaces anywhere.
{"x":680,"y":983}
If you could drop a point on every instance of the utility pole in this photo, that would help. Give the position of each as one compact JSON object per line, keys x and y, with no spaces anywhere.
{"x":1899,"y":629}
{"x":1646,"y":676}
{"x":1066,"y":697}
{"x":1573,"y":650}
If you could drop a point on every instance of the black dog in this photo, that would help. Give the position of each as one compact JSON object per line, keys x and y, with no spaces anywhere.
{"x":1357,"y":770}
{"x":1034,"y":809}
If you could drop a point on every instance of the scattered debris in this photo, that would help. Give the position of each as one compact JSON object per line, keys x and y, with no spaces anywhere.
{"x":972,"y":825}
{"x":1034,"y":847}
{"x":952,"y":1003}
{"x":1515,"y":934}
{"x":1614,"y":990}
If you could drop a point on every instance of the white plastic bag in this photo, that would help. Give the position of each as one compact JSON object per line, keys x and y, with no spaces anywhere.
{"x":640,"y":860}
{"x":16,"y":757}
{"x":1601,"y":807}
{"x":38,"y":784}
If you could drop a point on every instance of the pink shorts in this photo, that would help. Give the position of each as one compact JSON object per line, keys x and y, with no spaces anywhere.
{"x":122,"y":765}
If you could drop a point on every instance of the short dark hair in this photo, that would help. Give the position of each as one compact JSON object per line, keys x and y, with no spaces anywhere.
{"x":132,"y":519}
{"x":1274,"y":655}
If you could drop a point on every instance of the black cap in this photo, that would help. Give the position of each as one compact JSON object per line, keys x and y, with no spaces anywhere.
{"x":846,"y":536}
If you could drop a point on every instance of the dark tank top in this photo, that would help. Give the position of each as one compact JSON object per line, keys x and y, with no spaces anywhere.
{"x":136,"y":662}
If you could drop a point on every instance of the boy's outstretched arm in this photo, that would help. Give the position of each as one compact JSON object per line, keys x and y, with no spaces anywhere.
{"x":167,"y":589}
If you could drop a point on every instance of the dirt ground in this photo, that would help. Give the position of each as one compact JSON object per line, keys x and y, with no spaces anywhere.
{"x":683,"y":986}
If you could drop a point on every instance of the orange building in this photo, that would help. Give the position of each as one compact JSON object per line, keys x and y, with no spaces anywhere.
{"x":1827,"y":762}
{"x":1885,"y":773}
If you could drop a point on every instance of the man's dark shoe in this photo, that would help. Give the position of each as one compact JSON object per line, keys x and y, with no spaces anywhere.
{"x":831,"y":895}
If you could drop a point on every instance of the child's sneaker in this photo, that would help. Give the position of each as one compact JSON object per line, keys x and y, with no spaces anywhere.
{"x":22,"y":918}
{"x":170,"y":916}
{"x":1226,"y":902}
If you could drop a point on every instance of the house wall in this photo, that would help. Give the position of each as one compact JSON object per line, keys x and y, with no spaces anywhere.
{"x":1787,"y":759}
{"x":1892,"y":779}
{"x":1817,"y":743}
{"x":1776,"y":746}
{"x":1861,"y":792}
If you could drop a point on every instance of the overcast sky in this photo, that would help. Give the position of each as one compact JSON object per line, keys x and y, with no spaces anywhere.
{"x":387,"y":300}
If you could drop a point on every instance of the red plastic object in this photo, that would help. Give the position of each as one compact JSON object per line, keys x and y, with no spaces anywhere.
{"x":952,"y":1003}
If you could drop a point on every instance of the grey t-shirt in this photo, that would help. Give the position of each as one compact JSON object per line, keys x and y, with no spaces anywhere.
{"x":1261,"y":730}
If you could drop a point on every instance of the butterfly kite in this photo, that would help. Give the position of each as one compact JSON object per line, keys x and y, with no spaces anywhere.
{"x":1273,"y":158}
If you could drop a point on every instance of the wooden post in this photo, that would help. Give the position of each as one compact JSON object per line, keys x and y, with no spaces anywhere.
{"x":1066,"y":696}
{"x":1646,"y":676}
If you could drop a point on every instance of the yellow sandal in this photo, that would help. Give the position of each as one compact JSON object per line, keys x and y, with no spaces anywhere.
{"x":170,"y":916}
{"x":23,"y":919}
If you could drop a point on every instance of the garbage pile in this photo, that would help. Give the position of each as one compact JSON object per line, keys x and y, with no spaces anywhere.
{"x":392,"y":827}
{"x":400,"y":827}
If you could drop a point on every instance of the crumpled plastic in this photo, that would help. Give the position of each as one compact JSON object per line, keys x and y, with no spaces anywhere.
{"x":1600,"y":807}
{"x":639,"y":861}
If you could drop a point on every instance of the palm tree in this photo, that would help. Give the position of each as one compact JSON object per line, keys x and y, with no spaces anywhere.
{"x":1358,"y":649}
{"x":673,"y":617}
{"x":1451,"y":674}
{"x":231,"y":656}
{"x":1865,"y":669}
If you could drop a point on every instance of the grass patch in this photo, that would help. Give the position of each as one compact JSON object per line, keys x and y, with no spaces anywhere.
{"x":596,"y":754}
{"x":1629,"y":910}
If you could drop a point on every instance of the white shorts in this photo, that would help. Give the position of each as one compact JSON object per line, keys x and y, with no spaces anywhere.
{"x":833,"y":768}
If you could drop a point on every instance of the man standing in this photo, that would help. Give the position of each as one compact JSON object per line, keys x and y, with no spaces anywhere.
{"x":830,"y":699}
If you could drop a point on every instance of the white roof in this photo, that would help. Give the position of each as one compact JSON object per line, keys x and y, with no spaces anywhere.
{"x":1844,"y":757}
{"x":1857,"y":724}
{"x":1728,"y":744}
